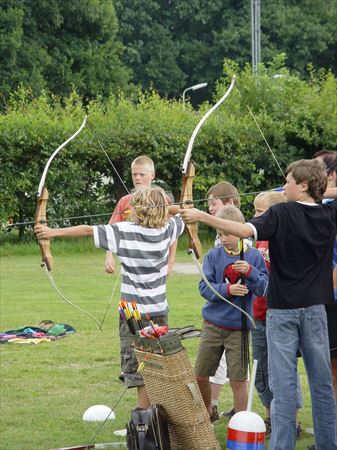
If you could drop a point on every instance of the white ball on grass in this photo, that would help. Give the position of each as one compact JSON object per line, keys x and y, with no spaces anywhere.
{"x":98,"y":413}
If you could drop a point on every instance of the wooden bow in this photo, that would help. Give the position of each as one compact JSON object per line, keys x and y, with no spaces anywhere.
{"x":186,"y":200}
{"x":42,"y":200}
{"x":188,"y":171}
{"x":41,"y":218}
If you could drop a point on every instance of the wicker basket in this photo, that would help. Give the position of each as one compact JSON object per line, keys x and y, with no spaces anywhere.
{"x":170,"y":381}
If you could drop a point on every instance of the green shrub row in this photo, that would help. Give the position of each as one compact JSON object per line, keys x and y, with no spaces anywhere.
{"x":297,"y":118}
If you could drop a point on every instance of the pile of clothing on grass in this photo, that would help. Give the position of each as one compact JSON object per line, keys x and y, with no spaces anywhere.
{"x":44,"y":331}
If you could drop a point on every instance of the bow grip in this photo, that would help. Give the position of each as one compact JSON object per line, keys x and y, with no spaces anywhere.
{"x":41,"y":217}
{"x":186,"y":201}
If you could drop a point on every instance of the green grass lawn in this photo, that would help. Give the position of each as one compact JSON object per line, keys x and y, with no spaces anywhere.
{"x":46,"y":388}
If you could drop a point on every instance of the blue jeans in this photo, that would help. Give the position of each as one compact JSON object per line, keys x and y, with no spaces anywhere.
{"x":260,"y":353}
{"x":306,"y":329}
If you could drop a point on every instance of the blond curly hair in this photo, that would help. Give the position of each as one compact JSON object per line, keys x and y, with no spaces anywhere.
{"x":149,"y":207}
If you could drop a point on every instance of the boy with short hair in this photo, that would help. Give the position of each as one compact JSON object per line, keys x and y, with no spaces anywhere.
{"x":142,"y":246}
{"x":222,"y":329}
{"x":330,"y":162}
{"x":143,"y":173}
{"x":262,"y":202}
{"x":220,"y":195}
{"x":301,"y":235}
{"x":329,"y":158}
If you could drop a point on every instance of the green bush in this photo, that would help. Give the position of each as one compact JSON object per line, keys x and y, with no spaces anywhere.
{"x":297,"y":118}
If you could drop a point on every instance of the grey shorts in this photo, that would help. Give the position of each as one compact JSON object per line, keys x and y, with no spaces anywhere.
{"x":212,"y":345}
{"x":129,"y":363}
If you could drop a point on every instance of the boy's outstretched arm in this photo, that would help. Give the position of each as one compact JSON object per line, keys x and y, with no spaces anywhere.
{"x":44,"y":232}
{"x":193,"y":215}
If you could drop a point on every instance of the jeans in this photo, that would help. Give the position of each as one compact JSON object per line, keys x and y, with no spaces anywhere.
{"x":260,"y":353}
{"x":306,"y":329}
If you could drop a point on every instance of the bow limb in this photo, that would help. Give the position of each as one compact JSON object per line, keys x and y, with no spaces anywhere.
{"x":42,"y":200}
{"x":45,"y":171}
{"x":201,"y":122}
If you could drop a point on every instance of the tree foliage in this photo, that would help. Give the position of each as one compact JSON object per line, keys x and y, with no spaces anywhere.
{"x":178,"y":43}
{"x":166,"y":45}
{"x":297,"y":118}
{"x":60,"y":45}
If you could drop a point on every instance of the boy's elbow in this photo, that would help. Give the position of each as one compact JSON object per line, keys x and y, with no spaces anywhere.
{"x":83,"y":231}
{"x":202,"y":290}
{"x":89,"y":230}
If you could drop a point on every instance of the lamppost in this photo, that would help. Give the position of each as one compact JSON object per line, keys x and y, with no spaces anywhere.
{"x":193,"y":88}
{"x":256,"y":33}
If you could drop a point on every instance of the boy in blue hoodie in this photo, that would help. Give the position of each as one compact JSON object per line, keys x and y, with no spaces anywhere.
{"x":234,"y":279}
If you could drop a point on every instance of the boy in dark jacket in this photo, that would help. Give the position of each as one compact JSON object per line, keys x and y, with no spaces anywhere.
{"x":301,"y":235}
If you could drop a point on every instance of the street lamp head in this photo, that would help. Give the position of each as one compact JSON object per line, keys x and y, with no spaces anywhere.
{"x":198,"y":86}
{"x":195,"y":87}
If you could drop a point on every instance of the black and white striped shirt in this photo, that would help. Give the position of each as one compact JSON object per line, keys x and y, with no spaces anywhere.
{"x":143,"y":254}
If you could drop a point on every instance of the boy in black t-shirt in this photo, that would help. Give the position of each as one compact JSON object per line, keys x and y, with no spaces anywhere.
{"x":301,"y":234}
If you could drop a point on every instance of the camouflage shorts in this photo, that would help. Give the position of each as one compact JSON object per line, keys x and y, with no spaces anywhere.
{"x":129,"y":364}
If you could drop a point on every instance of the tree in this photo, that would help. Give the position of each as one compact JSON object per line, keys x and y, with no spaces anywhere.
{"x":305,"y":31}
{"x":174,"y":44}
{"x":150,"y":48}
{"x":60,"y":45}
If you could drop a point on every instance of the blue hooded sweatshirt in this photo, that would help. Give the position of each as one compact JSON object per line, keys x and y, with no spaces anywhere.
{"x":218,"y":312}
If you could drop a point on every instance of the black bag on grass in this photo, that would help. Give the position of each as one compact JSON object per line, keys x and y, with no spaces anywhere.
{"x":148,"y":429}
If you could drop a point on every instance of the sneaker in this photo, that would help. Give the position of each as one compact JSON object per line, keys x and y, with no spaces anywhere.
{"x":299,"y":432}
{"x":267,"y":422}
{"x":228,"y":414}
{"x":215,"y":416}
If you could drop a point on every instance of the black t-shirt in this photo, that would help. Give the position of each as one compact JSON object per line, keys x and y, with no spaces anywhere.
{"x":301,"y":238}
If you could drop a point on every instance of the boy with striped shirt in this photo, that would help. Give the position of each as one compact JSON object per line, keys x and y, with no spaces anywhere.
{"x":143,"y":247}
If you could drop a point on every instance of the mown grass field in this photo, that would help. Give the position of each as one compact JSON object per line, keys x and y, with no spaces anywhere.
{"x":46,"y":388}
